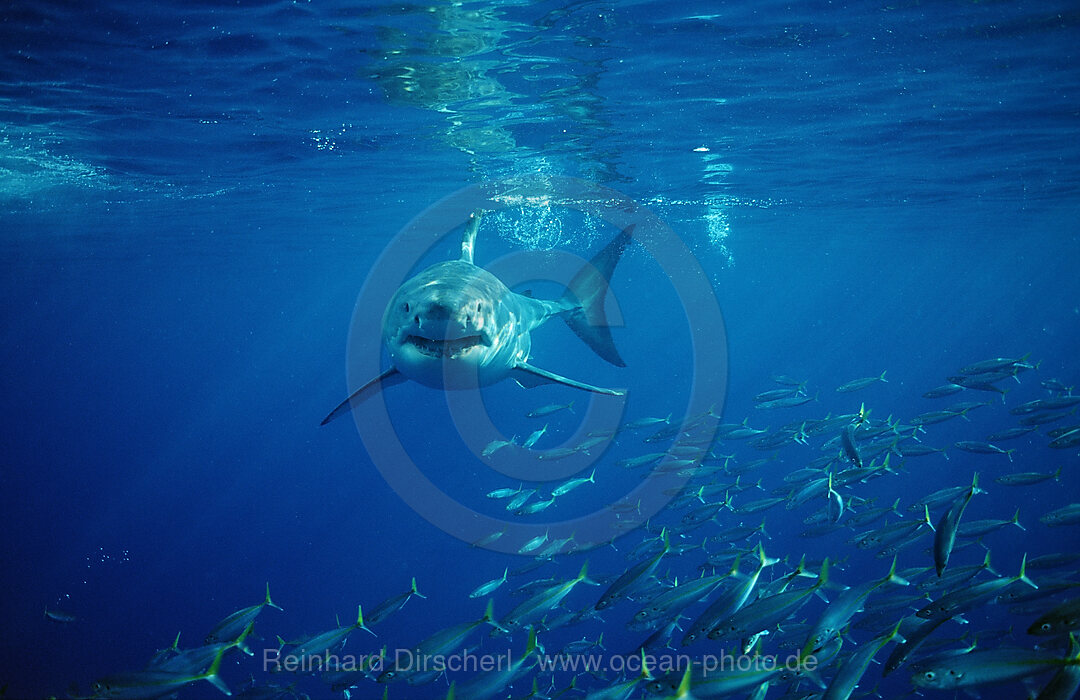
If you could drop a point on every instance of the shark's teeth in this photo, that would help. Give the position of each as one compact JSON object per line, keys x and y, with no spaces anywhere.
{"x":452,"y":347}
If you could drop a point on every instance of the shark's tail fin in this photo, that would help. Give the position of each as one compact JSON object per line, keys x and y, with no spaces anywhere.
{"x":584,"y":299}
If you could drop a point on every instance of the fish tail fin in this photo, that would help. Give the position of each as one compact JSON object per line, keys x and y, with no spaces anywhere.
{"x":489,"y":617}
{"x":764,"y":561}
{"x":799,"y":568}
{"x":239,"y":642}
{"x":530,"y":645}
{"x":1016,"y":520}
{"x":583,"y":301}
{"x":975,"y":484}
{"x":986,"y":563}
{"x":215,"y":680}
{"x":269,"y":602}
{"x":360,"y":621}
{"x":892,"y":578}
{"x":926,"y":518}
{"x":647,"y":675}
{"x":1022,"y":576}
{"x":211,"y":675}
{"x":414,"y":591}
{"x":823,"y":577}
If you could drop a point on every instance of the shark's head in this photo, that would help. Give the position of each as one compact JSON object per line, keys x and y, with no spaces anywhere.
{"x":449,"y":331}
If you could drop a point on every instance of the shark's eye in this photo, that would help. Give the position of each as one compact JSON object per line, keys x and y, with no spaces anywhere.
{"x":929,"y":675}
{"x":479,"y":305}
{"x":1046,"y":627}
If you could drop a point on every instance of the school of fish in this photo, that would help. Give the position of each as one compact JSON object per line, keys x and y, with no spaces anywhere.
{"x":705,"y":582}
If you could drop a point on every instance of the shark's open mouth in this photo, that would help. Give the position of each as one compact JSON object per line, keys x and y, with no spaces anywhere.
{"x":451,"y":348}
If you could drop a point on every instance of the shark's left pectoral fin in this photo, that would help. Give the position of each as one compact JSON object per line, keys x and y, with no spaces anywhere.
{"x":528,"y":376}
{"x":388,"y":378}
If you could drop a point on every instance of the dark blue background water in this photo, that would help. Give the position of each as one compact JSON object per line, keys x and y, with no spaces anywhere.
{"x":192,"y":194}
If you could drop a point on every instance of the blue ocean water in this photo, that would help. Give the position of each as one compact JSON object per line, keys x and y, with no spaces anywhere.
{"x":192,"y":196}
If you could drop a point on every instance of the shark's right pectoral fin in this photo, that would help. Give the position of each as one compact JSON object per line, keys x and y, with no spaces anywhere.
{"x":528,"y":376}
{"x":388,"y":378}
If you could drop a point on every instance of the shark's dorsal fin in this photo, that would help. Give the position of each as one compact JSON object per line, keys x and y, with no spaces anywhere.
{"x":528,"y":376}
{"x":468,"y":239}
{"x":388,"y":378}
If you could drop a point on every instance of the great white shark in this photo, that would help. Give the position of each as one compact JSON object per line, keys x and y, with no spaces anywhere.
{"x":457,"y":326}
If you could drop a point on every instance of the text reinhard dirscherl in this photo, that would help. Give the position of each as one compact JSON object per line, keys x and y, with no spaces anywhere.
{"x":408,"y":661}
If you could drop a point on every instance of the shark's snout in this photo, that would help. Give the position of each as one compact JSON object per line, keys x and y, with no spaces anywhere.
{"x":435,"y":312}
{"x":442,"y":320}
